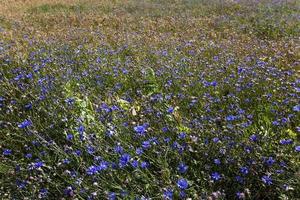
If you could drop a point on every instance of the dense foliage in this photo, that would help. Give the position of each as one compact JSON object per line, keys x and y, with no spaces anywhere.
{"x":197,"y":116}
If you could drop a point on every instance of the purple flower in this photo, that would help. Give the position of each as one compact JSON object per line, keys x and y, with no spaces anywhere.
{"x":38,"y":164}
{"x":118,"y":149}
{"x":43,"y":193}
{"x":170,"y":110}
{"x":239,"y":179}
{"x":168,"y":194}
{"x":253,"y":138}
{"x":270,"y":161}
{"x":103,"y":166}
{"x":244,"y":170}
{"x":296,"y":108}
{"x":182,"y":168}
{"x":92,"y":170}
{"x":28,"y":155}
{"x":28,"y":106}
{"x":231,"y":118}
{"x":146,"y":144}
{"x":267,"y":180}
{"x":215,"y":176}
{"x":214,"y":83}
{"x":134,"y":163}
{"x":112,"y":196}
{"x":90,"y":149}
{"x":240,"y":195}
{"x":66,"y":161}
{"x":139,"y":151}
{"x":25,"y":124}
{"x":7,"y":152}
{"x":144,"y":164}
{"x":81,"y":129}
{"x":140,"y":130}
{"x":69,"y":191}
{"x":182,"y":184}
{"x":124,"y":160}
{"x":21,"y":184}
{"x":217,"y":161}
{"x":297,"y":148}
{"x":78,"y":152}
{"x":215,"y":140}
{"x":182,"y":135}
{"x":70,"y":136}
{"x":286,"y":141}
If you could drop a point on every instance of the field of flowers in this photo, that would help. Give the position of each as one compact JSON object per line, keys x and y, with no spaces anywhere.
{"x":149,"y":99}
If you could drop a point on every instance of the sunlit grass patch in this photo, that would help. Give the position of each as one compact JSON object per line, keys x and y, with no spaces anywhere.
{"x":59,"y":7}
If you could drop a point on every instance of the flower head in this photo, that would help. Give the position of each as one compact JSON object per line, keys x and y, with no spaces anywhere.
{"x":25,"y":123}
{"x":267,"y":180}
{"x":215,"y":176}
{"x":182,"y":184}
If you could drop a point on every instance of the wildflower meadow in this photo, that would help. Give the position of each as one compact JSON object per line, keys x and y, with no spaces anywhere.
{"x":149,"y":99}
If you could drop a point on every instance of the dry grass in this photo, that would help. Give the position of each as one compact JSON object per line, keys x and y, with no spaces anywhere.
{"x":133,"y":22}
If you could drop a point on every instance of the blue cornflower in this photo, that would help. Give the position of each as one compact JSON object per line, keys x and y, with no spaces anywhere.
{"x":70,"y":101}
{"x":112,"y":196}
{"x":182,"y":184}
{"x":296,"y":108}
{"x":215,"y":140}
{"x":25,"y":124}
{"x":231,"y":118}
{"x":7,"y":152}
{"x":69,"y":136}
{"x":43,"y":193}
{"x":78,"y":152}
{"x":146,"y":144}
{"x":139,"y":151}
{"x":28,"y":106}
{"x":286,"y":141}
{"x":81,"y":129}
{"x":182,"y":135}
{"x":217,"y":161}
{"x":167,"y":140}
{"x":170,"y":110}
{"x":239,"y":179}
{"x":267,"y":180}
{"x":140,"y":130}
{"x":135,"y":163}
{"x":124,"y":160}
{"x":118,"y":149}
{"x":270,"y":161}
{"x":28,"y":155}
{"x":69,"y":191}
{"x":165,"y":129}
{"x":276,"y":123}
{"x":240,"y":195}
{"x":21,"y":184}
{"x":38,"y":164}
{"x":253,"y":138}
{"x":244,"y":170}
{"x":168,"y":194}
{"x":297,"y":148}
{"x":214,"y":83}
{"x":144,"y":164}
{"x":66,"y":161}
{"x":90,"y":149}
{"x":124,"y":193}
{"x":215,"y":176}
{"x":102,"y":166}
{"x":182,"y":168}
{"x":92,"y":170}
